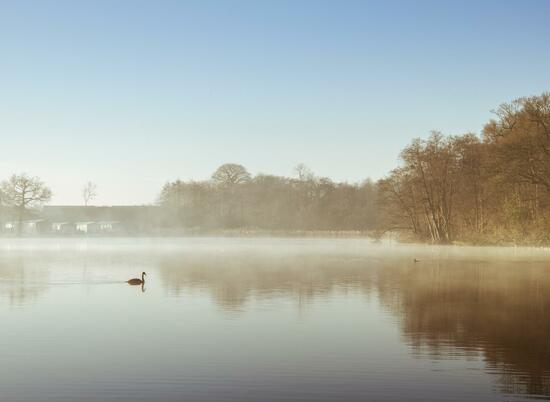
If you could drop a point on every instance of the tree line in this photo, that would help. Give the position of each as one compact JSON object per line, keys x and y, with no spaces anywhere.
{"x":489,"y":188}
{"x":234,"y":199}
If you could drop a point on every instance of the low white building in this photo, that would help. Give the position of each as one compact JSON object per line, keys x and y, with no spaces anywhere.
{"x":100,"y":227}
{"x":84,"y":227}
{"x":29,"y":227}
{"x":108,"y":227}
{"x":63,"y":228}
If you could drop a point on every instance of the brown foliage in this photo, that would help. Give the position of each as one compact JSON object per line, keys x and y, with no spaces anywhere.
{"x":464,"y":188}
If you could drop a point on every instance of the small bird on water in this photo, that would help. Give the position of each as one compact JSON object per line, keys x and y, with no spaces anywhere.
{"x":416,"y":260}
{"x":137,"y":281}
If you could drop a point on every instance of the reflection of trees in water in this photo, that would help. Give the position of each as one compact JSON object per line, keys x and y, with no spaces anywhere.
{"x":500,"y":310}
{"x":19,"y":282}
{"x":445,"y":309}
{"x":232,"y":280}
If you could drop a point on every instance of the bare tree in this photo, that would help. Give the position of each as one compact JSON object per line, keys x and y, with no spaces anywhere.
{"x":304,"y":173}
{"x":89,"y":192}
{"x":23,"y":192}
{"x":521,"y":135}
{"x":231,"y":174}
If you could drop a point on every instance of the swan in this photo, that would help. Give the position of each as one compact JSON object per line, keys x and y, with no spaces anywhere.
{"x":137,"y":281}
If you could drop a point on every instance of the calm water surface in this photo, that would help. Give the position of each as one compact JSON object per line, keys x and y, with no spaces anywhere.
{"x":271,"y":320}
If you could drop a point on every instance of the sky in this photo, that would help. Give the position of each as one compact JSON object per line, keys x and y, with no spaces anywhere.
{"x":132,"y":94}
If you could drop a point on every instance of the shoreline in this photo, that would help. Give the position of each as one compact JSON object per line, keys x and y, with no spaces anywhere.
{"x":302,"y":234}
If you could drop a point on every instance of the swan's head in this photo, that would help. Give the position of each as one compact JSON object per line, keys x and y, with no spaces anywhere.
{"x":143,"y":273}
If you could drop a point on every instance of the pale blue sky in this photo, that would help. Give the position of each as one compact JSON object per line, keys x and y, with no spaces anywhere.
{"x":131,"y":94}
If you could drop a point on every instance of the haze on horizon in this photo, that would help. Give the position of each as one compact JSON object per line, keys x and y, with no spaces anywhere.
{"x":133,"y":94}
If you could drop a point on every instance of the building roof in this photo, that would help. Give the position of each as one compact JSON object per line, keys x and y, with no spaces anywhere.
{"x":78,"y":213}
{"x":27,"y":221}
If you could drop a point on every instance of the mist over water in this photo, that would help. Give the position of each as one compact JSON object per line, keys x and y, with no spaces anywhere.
{"x":271,"y":319}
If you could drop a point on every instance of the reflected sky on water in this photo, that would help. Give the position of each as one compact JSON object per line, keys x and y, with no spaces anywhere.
{"x":242,"y":319}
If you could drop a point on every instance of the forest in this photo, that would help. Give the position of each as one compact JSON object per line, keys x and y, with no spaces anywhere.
{"x":492,"y":188}
{"x":233,"y":199}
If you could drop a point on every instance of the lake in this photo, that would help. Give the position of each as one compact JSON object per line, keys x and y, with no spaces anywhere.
{"x":263,"y":319}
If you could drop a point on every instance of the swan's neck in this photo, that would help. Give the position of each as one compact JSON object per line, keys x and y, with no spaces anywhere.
{"x":143,"y":278}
